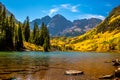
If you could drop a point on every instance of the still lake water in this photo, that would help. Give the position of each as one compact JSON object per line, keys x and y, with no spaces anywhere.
{"x":52,"y":65}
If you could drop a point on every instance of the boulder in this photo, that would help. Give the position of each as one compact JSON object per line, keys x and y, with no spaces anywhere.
{"x":116,"y":62}
{"x":106,"y":77}
{"x":115,"y":79}
{"x":73,"y":72}
{"x":117,"y":72}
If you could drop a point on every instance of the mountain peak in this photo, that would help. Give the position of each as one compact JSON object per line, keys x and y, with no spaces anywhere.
{"x":58,"y":16}
{"x":47,"y":16}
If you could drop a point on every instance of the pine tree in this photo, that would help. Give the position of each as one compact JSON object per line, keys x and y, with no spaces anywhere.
{"x":26,"y":29}
{"x":44,"y":38}
{"x":35,"y":30}
{"x":2,"y":27}
{"x":46,"y":44}
{"x":3,"y":16}
{"x":20,"y":36}
{"x":0,"y":17}
{"x":41,"y":35}
{"x":11,"y":27}
{"x":8,"y":34}
{"x":35,"y":33}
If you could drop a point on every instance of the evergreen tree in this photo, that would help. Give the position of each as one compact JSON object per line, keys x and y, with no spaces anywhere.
{"x":35,"y":34}
{"x":26,"y":29}
{"x":46,"y":44}
{"x":0,"y":17}
{"x":35,"y":30}
{"x":16,"y":38}
{"x":0,"y":9}
{"x":8,"y":34}
{"x":11,"y":26}
{"x":40,"y":40}
{"x":20,"y":36}
{"x":44,"y":38}
{"x":3,"y":16}
{"x":2,"y":25}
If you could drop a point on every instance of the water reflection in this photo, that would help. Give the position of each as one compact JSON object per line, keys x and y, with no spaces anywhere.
{"x":23,"y":65}
{"x":52,"y":65}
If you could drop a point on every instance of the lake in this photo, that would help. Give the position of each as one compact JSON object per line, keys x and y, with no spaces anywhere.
{"x":52,"y":65}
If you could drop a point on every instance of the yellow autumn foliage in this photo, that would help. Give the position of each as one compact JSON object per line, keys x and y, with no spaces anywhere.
{"x":100,"y":42}
{"x":113,"y":18}
{"x":32,"y":47}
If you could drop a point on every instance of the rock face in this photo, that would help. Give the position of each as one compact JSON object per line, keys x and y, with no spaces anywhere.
{"x":73,"y":72}
{"x":58,"y":24}
{"x":81,"y":26}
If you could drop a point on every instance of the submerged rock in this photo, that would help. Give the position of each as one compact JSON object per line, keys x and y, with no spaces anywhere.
{"x":115,"y":79}
{"x":73,"y":72}
{"x":116,"y":62}
{"x":10,"y":79}
{"x":13,"y":79}
{"x":117,"y":72}
{"x":106,"y":77}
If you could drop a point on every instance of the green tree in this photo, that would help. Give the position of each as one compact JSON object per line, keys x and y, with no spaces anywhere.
{"x":35,"y":33}
{"x":0,"y":17}
{"x":46,"y":44}
{"x":3,"y":16}
{"x":26,"y":29}
{"x":35,"y":30}
{"x":20,"y":37}
{"x":44,"y":38}
{"x":8,"y":34}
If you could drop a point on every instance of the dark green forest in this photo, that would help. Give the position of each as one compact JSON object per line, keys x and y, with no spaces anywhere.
{"x":13,"y":33}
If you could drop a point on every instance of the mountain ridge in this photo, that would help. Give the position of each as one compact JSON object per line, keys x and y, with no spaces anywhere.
{"x":58,"y":25}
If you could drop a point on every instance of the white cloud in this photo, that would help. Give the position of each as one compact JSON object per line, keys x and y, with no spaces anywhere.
{"x":66,"y":6}
{"x":52,"y":11}
{"x":72,"y":8}
{"x":88,"y":16}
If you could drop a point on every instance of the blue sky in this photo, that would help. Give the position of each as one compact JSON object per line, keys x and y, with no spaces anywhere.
{"x":71,"y":9}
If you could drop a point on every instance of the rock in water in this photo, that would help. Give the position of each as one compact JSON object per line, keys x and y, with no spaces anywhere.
{"x":106,"y":77}
{"x":73,"y":72}
{"x":116,"y":62}
{"x":117,"y":72}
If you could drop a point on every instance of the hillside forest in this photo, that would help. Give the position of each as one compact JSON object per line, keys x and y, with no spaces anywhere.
{"x":15,"y":35}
